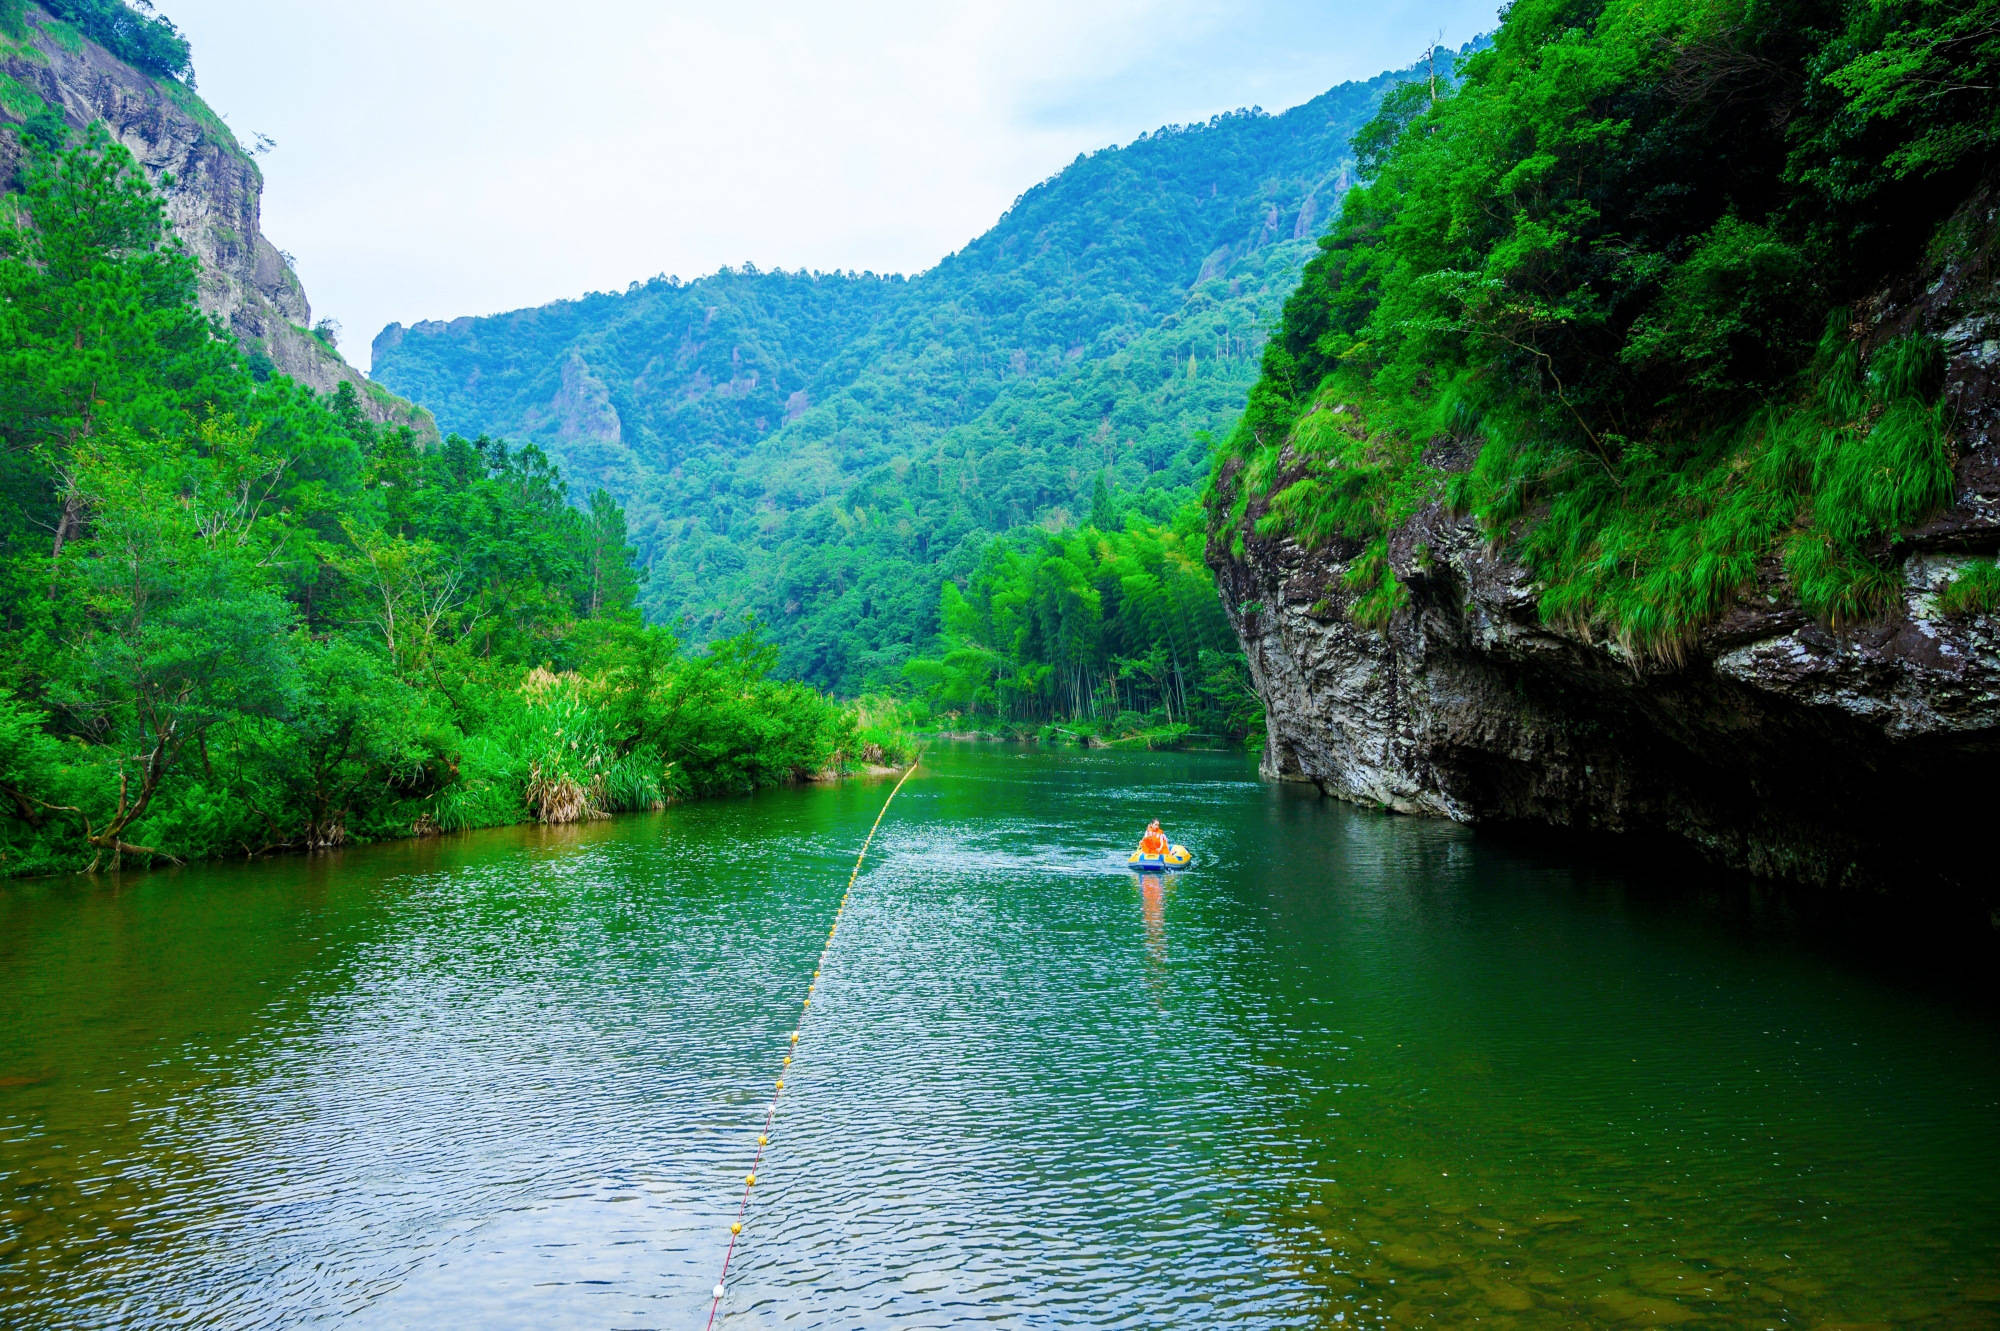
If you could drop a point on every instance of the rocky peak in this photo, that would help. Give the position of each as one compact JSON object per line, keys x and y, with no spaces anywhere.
{"x":212,"y":188}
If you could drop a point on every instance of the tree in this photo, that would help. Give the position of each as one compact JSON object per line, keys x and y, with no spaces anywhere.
{"x":180,"y":634}
{"x":607,"y":557}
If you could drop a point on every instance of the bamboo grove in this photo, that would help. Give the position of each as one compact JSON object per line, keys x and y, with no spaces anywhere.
{"x":1114,"y":633}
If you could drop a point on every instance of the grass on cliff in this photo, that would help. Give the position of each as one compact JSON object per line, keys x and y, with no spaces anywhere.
{"x":190,"y":103}
{"x":1650,"y":552}
{"x":1975,"y":591}
{"x":18,"y":99}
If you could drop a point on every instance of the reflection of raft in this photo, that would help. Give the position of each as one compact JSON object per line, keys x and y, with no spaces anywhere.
{"x":1176,"y":857}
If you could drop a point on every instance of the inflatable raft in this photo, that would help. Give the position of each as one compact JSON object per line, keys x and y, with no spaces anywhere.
{"x":1176,"y":857}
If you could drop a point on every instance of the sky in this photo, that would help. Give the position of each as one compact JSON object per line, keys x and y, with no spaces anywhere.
{"x":434,"y":158}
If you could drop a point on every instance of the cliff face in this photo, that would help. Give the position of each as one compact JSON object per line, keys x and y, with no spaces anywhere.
{"x":1859,"y":759}
{"x":212,"y":188}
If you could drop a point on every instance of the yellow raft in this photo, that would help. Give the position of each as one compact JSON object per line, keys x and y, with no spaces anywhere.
{"x":1177,"y":857}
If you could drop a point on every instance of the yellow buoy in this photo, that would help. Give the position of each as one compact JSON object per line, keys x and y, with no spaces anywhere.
{"x":763,"y":1138}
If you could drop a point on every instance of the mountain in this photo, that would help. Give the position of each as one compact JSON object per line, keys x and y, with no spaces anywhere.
{"x":819,"y":449}
{"x":83,"y":63}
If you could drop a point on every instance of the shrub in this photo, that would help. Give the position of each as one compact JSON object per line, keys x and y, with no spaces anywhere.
{"x":1975,"y":591}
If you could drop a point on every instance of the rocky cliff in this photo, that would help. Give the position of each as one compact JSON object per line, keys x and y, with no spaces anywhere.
{"x":212,"y":187}
{"x":1860,"y":758}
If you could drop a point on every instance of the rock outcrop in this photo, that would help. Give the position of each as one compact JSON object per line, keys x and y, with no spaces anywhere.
{"x":1862,"y":759}
{"x":212,"y":188}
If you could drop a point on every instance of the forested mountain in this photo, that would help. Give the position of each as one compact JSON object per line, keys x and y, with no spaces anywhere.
{"x":820,"y":449}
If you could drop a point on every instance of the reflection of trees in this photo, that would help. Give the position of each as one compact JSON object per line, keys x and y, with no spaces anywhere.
{"x":132,"y":1008}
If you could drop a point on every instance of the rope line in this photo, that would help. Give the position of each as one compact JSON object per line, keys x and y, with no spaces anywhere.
{"x":805,"y":1009}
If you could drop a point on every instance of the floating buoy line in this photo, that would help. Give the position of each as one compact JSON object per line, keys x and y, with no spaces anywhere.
{"x":792,"y":1044}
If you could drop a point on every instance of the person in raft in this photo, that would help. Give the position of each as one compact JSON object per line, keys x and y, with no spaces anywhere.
{"x":1154,"y":844}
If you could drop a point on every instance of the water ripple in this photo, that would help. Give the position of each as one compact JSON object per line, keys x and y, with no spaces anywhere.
{"x":1351,"y":1071}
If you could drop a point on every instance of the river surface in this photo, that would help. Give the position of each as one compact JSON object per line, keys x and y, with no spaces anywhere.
{"x":1355,"y":1070}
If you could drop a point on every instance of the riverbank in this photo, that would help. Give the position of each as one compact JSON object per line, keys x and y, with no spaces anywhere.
{"x":425,"y":830}
{"x":647,"y":727}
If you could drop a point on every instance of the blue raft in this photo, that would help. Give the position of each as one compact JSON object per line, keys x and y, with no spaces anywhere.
{"x":1177,"y":857}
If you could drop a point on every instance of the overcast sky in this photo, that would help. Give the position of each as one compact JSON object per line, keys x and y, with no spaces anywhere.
{"x":443,"y":157}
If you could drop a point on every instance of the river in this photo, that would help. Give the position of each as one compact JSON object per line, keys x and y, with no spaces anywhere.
{"x":1354,"y":1070}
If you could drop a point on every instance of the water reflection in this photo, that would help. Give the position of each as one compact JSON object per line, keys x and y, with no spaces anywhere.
{"x":1153,"y":906}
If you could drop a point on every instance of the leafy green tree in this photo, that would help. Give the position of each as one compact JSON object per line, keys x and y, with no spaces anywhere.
{"x":149,"y":42}
{"x":357,"y":733}
{"x":180,"y":634}
{"x":607,"y":556}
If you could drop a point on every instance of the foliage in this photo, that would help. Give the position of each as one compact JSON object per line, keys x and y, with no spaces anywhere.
{"x":719,"y":718}
{"x":820,"y":450}
{"x":239,"y":617}
{"x":1118,"y":631}
{"x":1975,"y":591}
{"x":1615,"y":261}
{"x":146,"y":41}
{"x":885,"y":729}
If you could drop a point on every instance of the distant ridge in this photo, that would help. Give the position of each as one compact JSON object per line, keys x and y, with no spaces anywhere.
{"x":819,"y":449}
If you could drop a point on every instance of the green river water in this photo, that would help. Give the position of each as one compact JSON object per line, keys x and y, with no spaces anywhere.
{"x":1355,"y":1070}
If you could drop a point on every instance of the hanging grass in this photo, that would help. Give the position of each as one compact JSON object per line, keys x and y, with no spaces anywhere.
{"x":1652,"y":552}
{"x":1824,"y":483}
{"x":1381,"y":593}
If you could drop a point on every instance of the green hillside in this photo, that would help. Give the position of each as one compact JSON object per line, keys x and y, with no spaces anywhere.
{"x":239,"y":617}
{"x":1634,"y":268}
{"x":819,"y":449}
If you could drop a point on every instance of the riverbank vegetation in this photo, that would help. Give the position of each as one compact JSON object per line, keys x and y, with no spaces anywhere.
{"x":238,"y":617}
{"x":1101,"y":634}
{"x":1621,"y":266}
